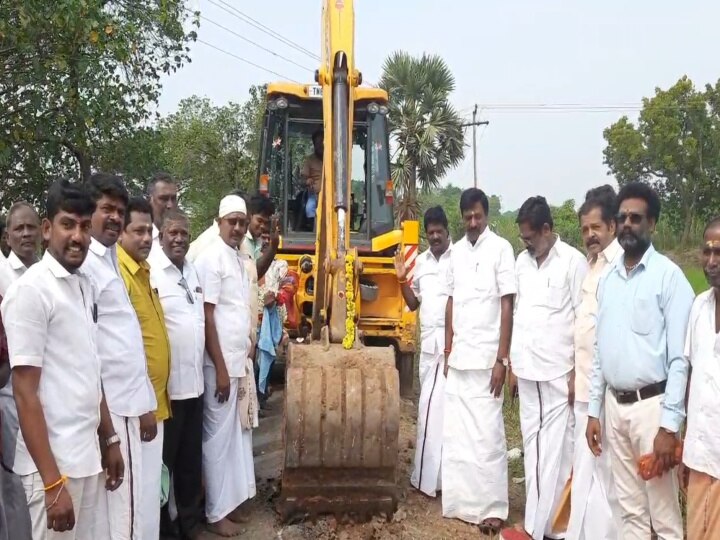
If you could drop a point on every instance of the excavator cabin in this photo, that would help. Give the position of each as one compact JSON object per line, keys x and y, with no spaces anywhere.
{"x":294,"y":114}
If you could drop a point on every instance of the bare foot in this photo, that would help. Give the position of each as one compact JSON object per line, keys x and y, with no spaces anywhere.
{"x":225,"y":528}
{"x":238,"y":516}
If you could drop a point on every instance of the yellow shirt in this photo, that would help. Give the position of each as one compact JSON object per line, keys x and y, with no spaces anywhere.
{"x":152,"y":322}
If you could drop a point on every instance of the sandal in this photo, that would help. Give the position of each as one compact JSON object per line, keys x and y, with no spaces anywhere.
{"x":491,"y":526}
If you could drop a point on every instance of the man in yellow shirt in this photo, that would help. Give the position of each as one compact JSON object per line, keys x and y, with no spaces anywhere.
{"x":135,"y":244}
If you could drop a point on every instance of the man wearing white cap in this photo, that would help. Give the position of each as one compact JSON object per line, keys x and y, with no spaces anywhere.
{"x":230,"y":400}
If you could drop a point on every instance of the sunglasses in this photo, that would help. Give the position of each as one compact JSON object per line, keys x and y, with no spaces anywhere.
{"x":634,"y":217}
{"x":188,"y":293}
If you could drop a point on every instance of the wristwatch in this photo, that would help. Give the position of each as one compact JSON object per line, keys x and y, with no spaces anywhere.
{"x":504,"y":361}
{"x":113,"y":439}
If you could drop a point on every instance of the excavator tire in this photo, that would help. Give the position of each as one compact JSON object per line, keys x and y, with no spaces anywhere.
{"x":340,"y":433}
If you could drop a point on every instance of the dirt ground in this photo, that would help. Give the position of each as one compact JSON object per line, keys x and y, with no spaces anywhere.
{"x":418,"y":517}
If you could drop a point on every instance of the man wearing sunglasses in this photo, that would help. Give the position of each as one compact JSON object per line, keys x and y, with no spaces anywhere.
{"x":178,"y":286}
{"x":639,"y":369}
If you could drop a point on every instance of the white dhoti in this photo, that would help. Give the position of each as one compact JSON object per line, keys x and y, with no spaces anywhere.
{"x":474,"y":455}
{"x":227,"y":453}
{"x":123,"y":504}
{"x":546,"y":421}
{"x":631,"y":431}
{"x":151,"y":485}
{"x":428,"y":449}
{"x":592,"y":496}
{"x":89,"y":506}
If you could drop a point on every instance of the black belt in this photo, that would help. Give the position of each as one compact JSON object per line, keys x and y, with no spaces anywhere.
{"x":626,"y":397}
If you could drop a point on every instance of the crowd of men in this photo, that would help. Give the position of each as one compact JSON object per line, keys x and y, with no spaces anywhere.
{"x":128,"y":391}
{"x":599,"y":349}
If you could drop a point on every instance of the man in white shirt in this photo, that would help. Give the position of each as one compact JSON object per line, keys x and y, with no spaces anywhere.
{"x":591,"y":515}
{"x":549,"y":274}
{"x":50,"y":318}
{"x":162,"y":193}
{"x":23,"y":226}
{"x":178,"y":286}
{"x":230,"y":401}
{"x":426,"y":290}
{"x":130,"y":395}
{"x":23,"y":236}
{"x":478,"y":327}
{"x":701,"y":454}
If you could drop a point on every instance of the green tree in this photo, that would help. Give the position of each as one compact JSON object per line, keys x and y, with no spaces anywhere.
{"x":675,"y":147}
{"x":425,"y":127}
{"x":78,"y":74}
{"x":212,"y":150}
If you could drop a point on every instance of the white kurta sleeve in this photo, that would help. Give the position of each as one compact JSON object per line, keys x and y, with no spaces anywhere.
{"x":210,"y":274}
{"x":26,"y":318}
{"x":505,"y":271}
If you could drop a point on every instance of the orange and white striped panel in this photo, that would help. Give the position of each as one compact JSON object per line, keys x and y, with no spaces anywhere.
{"x":411,"y":253}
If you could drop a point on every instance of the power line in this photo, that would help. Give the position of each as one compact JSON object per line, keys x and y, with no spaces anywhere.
{"x":247,"y":61}
{"x":263,"y":28}
{"x":255,"y":43}
{"x":578,"y":107}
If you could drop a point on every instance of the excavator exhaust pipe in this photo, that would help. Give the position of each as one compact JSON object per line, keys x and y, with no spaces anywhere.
{"x":340,"y":433}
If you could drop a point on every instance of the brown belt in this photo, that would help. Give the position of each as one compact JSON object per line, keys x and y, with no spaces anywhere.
{"x":626,"y":397}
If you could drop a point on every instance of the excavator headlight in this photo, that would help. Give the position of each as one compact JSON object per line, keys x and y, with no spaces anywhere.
{"x":384,"y":110}
{"x":373,"y":108}
{"x":281,"y":103}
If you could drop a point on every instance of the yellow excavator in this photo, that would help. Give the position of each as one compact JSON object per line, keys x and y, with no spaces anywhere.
{"x":353,"y":340}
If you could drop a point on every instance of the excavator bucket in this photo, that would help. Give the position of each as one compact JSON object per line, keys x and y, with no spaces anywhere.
{"x":340,"y":433}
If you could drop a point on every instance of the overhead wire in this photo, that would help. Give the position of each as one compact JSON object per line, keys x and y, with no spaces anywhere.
{"x":245,"y":60}
{"x":235,"y":12}
{"x":259,"y":46}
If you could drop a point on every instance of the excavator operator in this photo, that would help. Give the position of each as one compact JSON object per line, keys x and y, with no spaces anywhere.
{"x":311,"y":173}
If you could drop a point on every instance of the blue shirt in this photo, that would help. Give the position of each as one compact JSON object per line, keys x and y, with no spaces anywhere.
{"x":641,"y":324}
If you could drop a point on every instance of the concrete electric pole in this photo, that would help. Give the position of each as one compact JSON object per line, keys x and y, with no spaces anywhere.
{"x":474,"y":125}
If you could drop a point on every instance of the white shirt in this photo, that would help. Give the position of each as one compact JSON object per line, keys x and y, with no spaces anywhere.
{"x":702,"y":349}
{"x":225,"y":283}
{"x":478,"y":277}
{"x":128,"y":390}
{"x":48,"y":316}
{"x":543,"y":345}
{"x":430,"y":290}
{"x":10,"y":270}
{"x":155,"y":239}
{"x":185,"y":322}
{"x":585,"y":319}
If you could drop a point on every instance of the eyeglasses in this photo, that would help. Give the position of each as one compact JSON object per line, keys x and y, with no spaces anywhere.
{"x":188,"y":293}
{"x":634,"y":217}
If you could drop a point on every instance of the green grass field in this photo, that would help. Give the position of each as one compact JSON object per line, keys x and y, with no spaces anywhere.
{"x":696,"y":277}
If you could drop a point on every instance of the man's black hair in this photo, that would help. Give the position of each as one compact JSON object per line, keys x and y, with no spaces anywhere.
{"x":140,"y":205}
{"x":317,"y":133}
{"x":435,"y":216}
{"x":259,"y":204}
{"x":110,"y":185}
{"x":471,"y":196}
{"x":71,"y":198}
{"x":158,"y":177}
{"x":536,"y":213}
{"x":640,"y":190}
{"x":602,"y":197}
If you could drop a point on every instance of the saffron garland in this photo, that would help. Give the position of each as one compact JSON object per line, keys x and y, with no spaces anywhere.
{"x":349,"y":338}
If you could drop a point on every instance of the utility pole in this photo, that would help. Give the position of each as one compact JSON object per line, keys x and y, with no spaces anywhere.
{"x":474,"y":125}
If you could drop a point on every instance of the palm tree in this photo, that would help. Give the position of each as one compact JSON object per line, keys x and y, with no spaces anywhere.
{"x":426,"y":129}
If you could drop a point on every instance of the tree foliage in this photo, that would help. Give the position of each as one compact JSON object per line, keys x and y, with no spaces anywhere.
{"x":77,"y":75}
{"x":675,"y":146}
{"x":426,"y":129}
{"x":212,"y":150}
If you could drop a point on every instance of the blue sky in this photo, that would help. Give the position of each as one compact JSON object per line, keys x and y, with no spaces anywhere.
{"x":524,"y":52}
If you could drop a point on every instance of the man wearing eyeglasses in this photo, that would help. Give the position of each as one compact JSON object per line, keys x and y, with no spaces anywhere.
{"x":639,"y":369}
{"x":178,"y":286}
{"x":135,"y":244}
